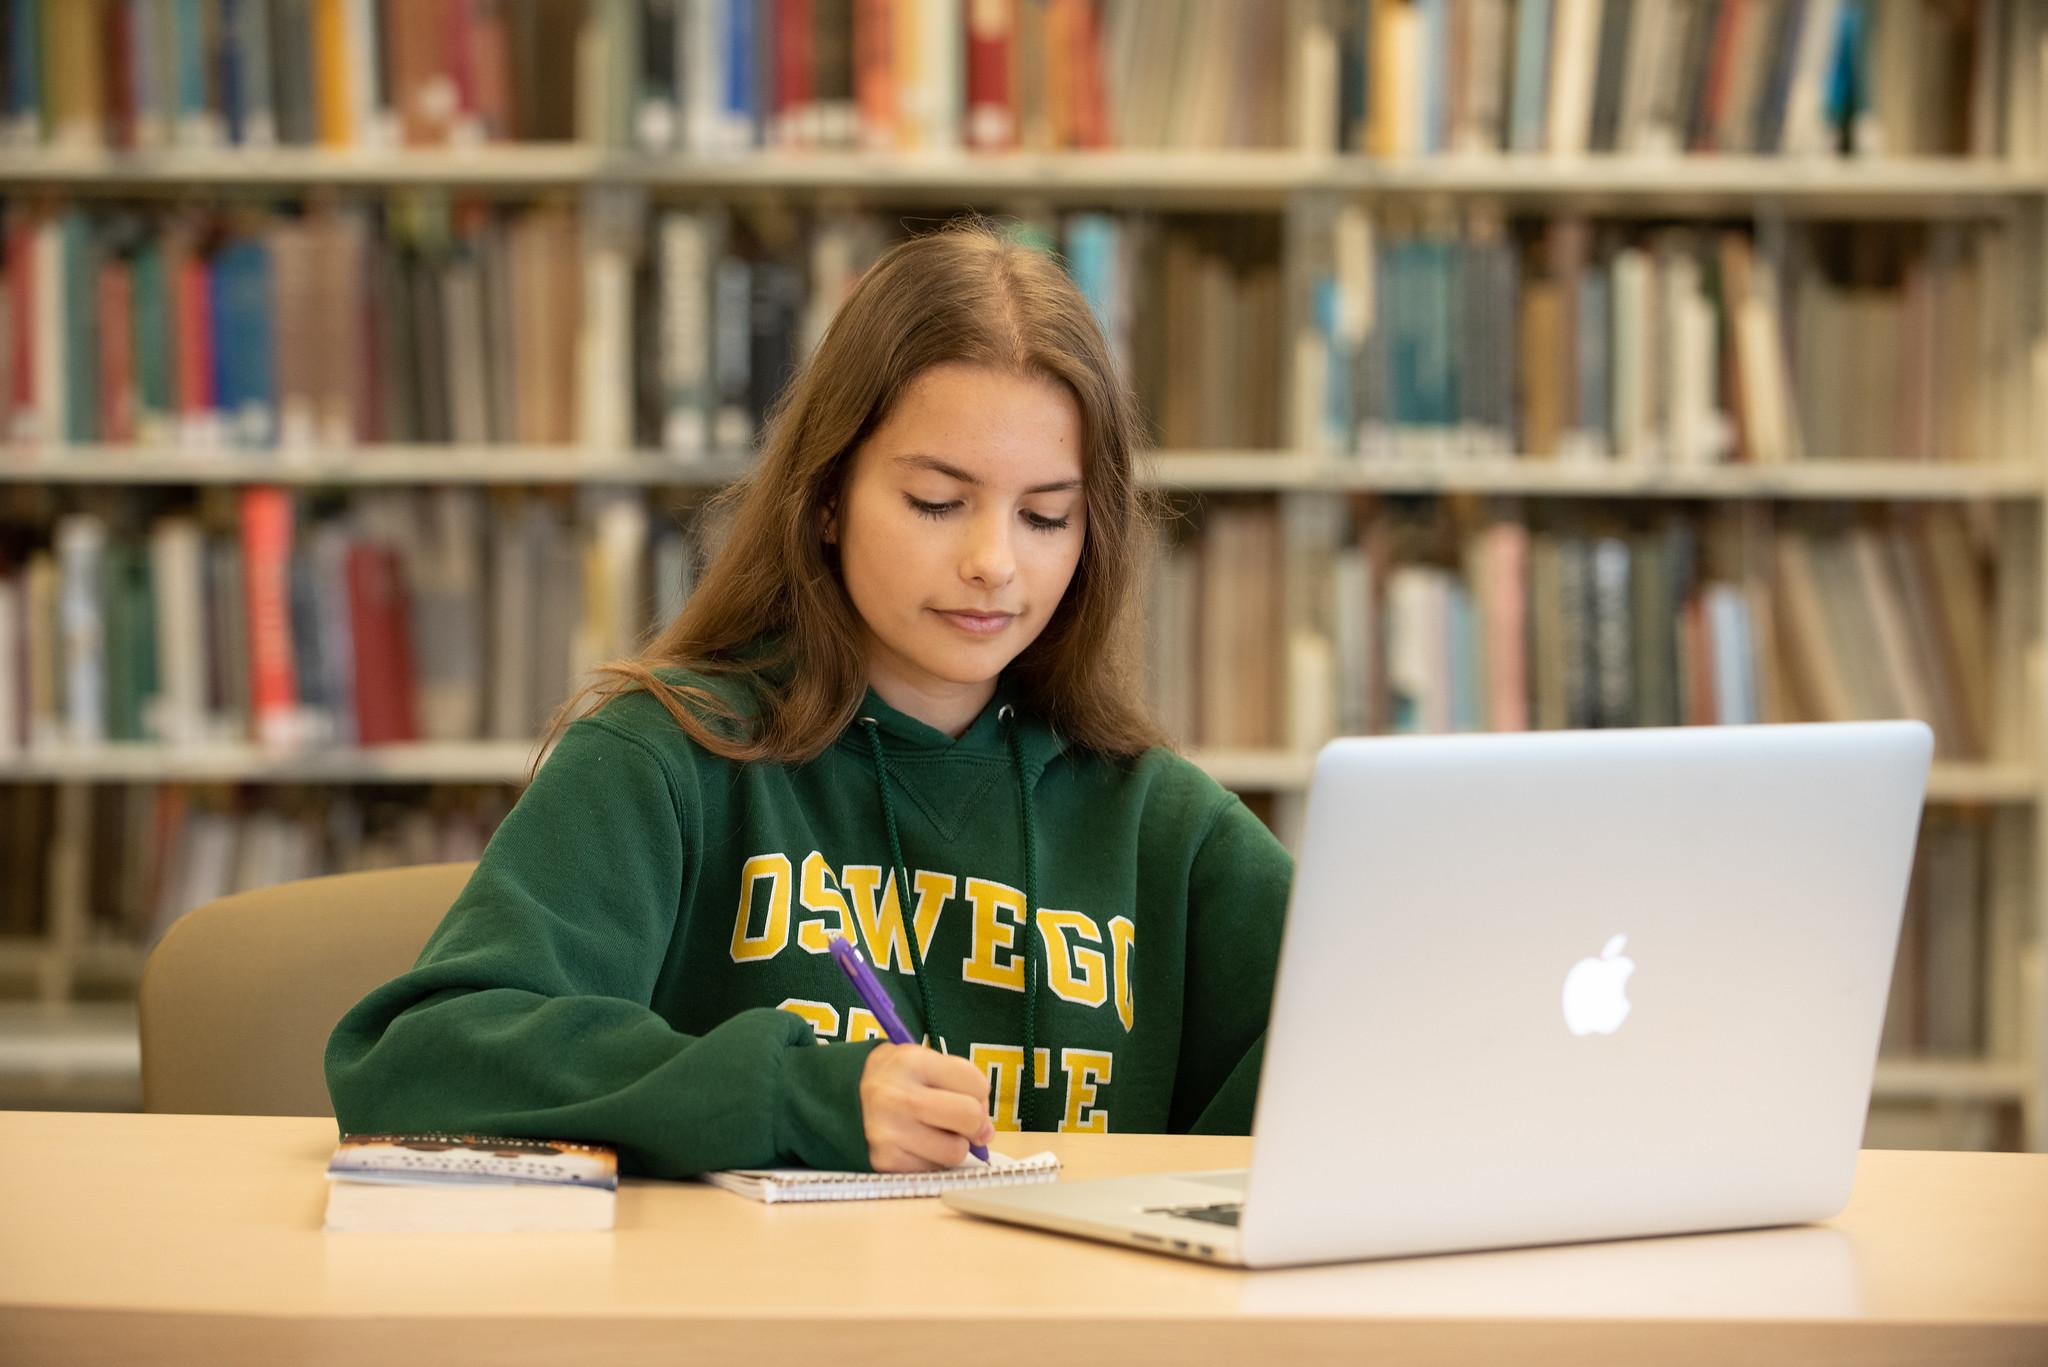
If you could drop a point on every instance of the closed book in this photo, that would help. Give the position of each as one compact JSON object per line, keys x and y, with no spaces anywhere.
{"x":18,"y":381}
{"x":490,"y":114}
{"x":326,"y":560}
{"x":991,"y":114}
{"x":227,"y":640}
{"x":193,"y":297}
{"x":514,"y":589}
{"x":266,"y":517}
{"x":732,"y":351}
{"x":832,"y":79}
{"x":13,"y":663}
{"x":1578,"y":642}
{"x":197,"y":113}
{"x":23,"y":110}
{"x":51,"y":302}
{"x":381,"y":635}
{"x":1574,"y":55}
{"x":1610,"y":72}
{"x":795,"y":120}
{"x":73,"y":99}
{"x":331,"y":60}
{"x":655,"y":108}
{"x":685,"y":245}
{"x":117,"y":388}
{"x":1504,"y":602}
{"x":42,"y":686}
{"x":775,"y":318}
{"x":81,"y":258}
{"x":80,"y":636}
{"x":246,"y":27}
{"x":177,"y":551}
{"x":1529,"y":76}
{"x":292,"y":72}
{"x":741,"y":77}
{"x":443,"y":1183}
{"x":1779,"y":52}
{"x":149,"y":70}
{"x":130,"y":640}
{"x":243,"y":308}
{"x":118,"y":63}
{"x":874,"y":71}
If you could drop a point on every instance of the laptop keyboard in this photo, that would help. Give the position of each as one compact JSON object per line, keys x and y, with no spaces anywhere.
{"x":1223,"y":1213}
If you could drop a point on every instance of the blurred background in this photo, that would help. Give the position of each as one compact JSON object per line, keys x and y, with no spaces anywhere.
{"x":365,"y":364}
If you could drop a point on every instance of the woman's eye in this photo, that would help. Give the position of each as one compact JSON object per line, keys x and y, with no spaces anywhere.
{"x":935,"y":511}
{"x":1045,"y":524}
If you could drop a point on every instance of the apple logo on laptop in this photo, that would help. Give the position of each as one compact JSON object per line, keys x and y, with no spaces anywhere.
{"x":1596,"y":991}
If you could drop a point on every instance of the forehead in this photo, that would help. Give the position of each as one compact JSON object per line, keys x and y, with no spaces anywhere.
{"x":995,"y":427}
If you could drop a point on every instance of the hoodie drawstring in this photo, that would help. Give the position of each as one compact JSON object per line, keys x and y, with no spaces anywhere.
{"x":1025,"y":1083}
{"x":1028,"y":1098}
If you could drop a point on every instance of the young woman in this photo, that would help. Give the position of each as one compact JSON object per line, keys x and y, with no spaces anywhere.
{"x":899,"y":707}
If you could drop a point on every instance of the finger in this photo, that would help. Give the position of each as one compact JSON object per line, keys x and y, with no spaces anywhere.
{"x":940,"y":1148}
{"x":950,"y":1111}
{"x":954,"y":1074}
{"x":892,"y":1157}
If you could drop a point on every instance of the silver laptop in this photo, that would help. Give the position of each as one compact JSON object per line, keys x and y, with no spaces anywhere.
{"x":1556,"y":987}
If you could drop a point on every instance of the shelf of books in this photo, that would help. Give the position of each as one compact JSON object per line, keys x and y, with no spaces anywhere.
{"x":365,"y":368}
{"x":370,"y":464}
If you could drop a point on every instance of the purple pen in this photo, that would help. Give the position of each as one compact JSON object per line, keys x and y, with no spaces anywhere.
{"x":876,"y":998}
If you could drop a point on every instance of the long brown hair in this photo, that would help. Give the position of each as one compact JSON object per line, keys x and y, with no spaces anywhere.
{"x":771,"y":601}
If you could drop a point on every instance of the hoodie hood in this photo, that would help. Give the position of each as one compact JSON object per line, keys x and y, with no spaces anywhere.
{"x":1001,"y":731}
{"x":988,"y":736}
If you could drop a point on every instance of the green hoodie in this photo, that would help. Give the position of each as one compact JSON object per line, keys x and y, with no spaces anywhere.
{"x":641,"y":955}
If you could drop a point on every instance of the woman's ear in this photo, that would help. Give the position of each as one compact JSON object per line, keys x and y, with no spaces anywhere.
{"x":828,"y":522}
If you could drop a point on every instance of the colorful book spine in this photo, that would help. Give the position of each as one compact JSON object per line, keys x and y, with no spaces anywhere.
{"x":266,"y":531}
{"x":24,"y":107}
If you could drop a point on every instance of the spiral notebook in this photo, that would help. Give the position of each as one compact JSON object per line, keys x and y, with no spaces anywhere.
{"x":812,"y":1184}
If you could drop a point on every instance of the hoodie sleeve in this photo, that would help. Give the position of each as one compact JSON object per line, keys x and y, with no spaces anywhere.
{"x":528,"y":1011}
{"x":1237,"y":900}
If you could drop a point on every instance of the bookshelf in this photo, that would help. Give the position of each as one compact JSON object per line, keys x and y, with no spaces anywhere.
{"x":1336,"y":149}
{"x":1633,"y":185}
{"x":1191,"y":471}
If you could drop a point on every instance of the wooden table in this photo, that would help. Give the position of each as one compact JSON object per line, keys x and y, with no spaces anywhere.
{"x":170,"y":1239}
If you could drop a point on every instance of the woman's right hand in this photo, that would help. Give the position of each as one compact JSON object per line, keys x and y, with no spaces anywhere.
{"x":921,"y":1109}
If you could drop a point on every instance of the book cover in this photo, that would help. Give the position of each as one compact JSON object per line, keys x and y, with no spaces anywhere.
{"x":469,"y":1158}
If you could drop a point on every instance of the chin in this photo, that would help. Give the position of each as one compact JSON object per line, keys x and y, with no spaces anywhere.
{"x":966,"y":670}
{"x":966,"y":665}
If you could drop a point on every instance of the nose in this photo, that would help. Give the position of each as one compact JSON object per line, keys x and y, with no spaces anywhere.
{"x":989,"y":560}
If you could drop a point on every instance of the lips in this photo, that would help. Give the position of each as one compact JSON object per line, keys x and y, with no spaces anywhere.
{"x":977,"y":623}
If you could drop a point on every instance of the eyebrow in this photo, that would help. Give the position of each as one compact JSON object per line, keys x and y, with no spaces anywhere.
{"x":933,"y":463}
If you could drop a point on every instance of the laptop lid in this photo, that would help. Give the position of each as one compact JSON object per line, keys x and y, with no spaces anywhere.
{"x":1576,"y":985}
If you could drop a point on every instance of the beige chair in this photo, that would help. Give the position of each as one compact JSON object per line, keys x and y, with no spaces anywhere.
{"x":239,"y":997}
